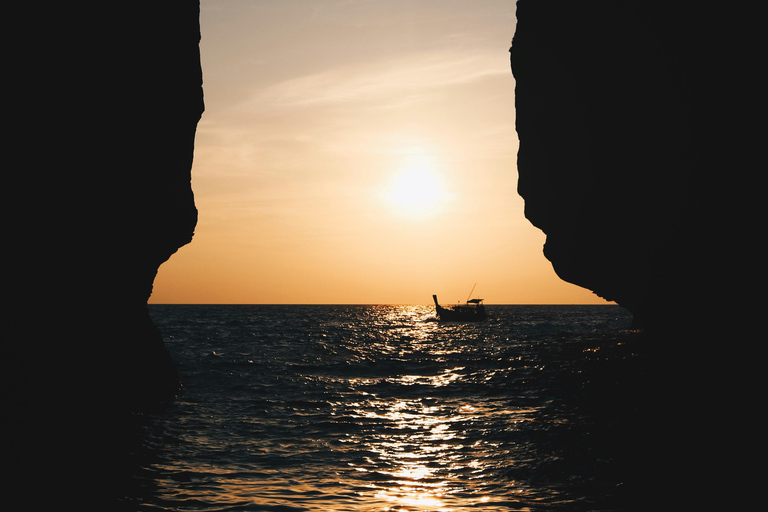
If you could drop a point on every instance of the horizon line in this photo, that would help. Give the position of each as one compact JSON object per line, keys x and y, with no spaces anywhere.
{"x":357,"y":304}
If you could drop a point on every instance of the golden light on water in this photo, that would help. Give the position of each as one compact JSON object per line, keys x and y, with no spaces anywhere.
{"x":418,"y":450}
{"x":403,"y":432}
{"x":421,"y":455}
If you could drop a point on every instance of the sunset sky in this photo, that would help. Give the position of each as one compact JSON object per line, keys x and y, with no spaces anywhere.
{"x":359,"y":152}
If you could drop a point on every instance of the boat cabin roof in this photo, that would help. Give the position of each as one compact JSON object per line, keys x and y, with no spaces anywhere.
{"x":474,"y":301}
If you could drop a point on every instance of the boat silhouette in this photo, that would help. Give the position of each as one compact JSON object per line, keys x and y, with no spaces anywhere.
{"x":472,"y":310}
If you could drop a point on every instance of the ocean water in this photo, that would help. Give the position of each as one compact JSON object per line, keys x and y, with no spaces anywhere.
{"x":372,"y":408}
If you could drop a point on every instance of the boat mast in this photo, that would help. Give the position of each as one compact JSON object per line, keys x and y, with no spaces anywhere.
{"x":470,"y":293}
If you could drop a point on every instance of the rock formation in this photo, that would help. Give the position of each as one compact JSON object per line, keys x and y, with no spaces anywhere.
{"x":101,"y":114}
{"x":638,"y":151}
{"x":101,"y":107}
{"x":628,"y":114}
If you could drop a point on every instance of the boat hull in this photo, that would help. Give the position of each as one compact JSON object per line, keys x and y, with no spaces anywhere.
{"x":460,"y":313}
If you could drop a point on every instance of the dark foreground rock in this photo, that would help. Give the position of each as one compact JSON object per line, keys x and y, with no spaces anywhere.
{"x":104,"y":104}
{"x":638,"y":145}
{"x":101,"y":107}
{"x":634,"y":121}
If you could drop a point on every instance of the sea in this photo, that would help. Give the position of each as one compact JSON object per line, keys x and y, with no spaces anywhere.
{"x":383,"y":408}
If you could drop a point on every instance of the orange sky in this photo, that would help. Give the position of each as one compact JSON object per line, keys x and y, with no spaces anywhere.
{"x":359,"y":152}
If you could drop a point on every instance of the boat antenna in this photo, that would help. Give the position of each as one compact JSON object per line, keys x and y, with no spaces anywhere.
{"x":470,"y":293}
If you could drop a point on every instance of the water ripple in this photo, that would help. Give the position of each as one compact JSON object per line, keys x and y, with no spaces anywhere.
{"x":366,"y":408}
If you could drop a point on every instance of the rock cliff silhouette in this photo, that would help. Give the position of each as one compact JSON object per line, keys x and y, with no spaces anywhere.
{"x":102,"y":109}
{"x":629,"y":116}
{"x":638,"y":127}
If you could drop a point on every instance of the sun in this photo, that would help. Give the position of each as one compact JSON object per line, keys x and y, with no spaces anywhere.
{"x":416,"y":189}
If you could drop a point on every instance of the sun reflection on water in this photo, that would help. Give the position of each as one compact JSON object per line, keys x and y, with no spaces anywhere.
{"x":420,"y":457}
{"x":370,"y":409}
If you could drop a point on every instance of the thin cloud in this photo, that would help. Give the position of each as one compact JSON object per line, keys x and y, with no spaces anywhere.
{"x":383,"y":82}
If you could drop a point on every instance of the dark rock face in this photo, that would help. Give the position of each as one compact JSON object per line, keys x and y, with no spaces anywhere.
{"x":626,"y":120}
{"x":638,"y":151}
{"x":103,"y":106}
